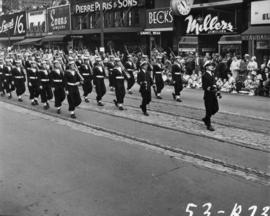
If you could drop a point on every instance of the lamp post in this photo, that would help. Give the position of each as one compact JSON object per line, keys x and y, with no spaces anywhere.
{"x":102,"y":24}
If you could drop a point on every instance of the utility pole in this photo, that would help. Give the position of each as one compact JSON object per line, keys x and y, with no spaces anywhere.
{"x":102,"y":24}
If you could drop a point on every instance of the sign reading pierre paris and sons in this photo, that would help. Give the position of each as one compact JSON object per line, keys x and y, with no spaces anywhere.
{"x":209,"y":24}
{"x":93,"y":6}
{"x":13,"y":24}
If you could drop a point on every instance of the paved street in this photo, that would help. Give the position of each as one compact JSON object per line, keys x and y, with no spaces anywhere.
{"x":109,"y":162}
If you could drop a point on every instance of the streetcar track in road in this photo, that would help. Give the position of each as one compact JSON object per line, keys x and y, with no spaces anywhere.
{"x":248,"y":173}
{"x":190,"y":117}
{"x":227,"y":141}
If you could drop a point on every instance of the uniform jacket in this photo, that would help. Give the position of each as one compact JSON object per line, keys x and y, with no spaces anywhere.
{"x":145,"y":80}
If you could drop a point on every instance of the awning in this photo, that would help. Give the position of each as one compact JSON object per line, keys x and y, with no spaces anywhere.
{"x":28,"y":41}
{"x":53,"y":38}
{"x":159,"y":29}
{"x":230,"y":39}
{"x":256,"y":33}
{"x":12,"y":38}
{"x":188,"y":40}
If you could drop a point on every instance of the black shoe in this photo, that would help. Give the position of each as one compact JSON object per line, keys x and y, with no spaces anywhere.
{"x":121,"y":108}
{"x":173,"y":94}
{"x":33,"y":103}
{"x":86,"y":100}
{"x":58,"y":111}
{"x":178,"y":100}
{"x":2,"y":94}
{"x":100,"y":104}
{"x":73,"y":116}
{"x":20,"y":100}
{"x":36,"y":102}
{"x":115,"y":103}
{"x":210,"y":128}
{"x":204,"y":120}
{"x":146,"y":113}
{"x":10,"y":96}
{"x":46,"y":107}
{"x":130,"y":92}
{"x":159,"y":97}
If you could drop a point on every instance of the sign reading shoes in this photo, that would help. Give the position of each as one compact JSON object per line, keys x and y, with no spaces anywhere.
{"x":207,"y":25}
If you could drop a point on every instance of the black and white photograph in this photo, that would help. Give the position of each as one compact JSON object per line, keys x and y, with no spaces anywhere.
{"x":134,"y":107}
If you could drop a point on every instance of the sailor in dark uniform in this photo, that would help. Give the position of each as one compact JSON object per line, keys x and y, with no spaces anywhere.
{"x":18,"y":74}
{"x":45,"y":85}
{"x":119,"y":77}
{"x":158,"y":69}
{"x":210,"y":94}
{"x":33,"y":83}
{"x":99,"y":75}
{"x":2,"y":90}
{"x":110,"y":66}
{"x":72,"y":82}
{"x":130,"y":67}
{"x":87,"y":74}
{"x":177,"y":71}
{"x":145,"y":81}
{"x":58,"y":85}
{"x":8,"y":80}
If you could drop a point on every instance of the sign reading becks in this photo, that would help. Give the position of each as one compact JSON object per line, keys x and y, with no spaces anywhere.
{"x":260,"y":12}
{"x":59,"y":18}
{"x":159,"y":18}
{"x":13,"y":24}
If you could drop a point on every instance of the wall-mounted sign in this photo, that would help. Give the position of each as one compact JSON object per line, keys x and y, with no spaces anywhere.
{"x":207,"y":25}
{"x":256,"y":37}
{"x":93,"y":6}
{"x":260,"y":12}
{"x":159,"y":18}
{"x":13,"y":24}
{"x":36,"y":22}
{"x":263,"y":44}
{"x":59,"y":18}
{"x":181,"y":7}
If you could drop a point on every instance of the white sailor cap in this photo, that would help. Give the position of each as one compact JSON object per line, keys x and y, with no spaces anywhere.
{"x":98,"y":59}
{"x":117,"y":59}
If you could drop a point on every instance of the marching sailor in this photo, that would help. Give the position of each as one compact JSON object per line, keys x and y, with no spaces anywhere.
{"x":145,"y":81}
{"x":45,"y":85}
{"x":99,"y":75}
{"x":19,"y":79}
{"x":158,"y":69}
{"x":33,"y":83}
{"x":8,"y":80}
{"x":110,"y":66}
{"x":2,"y":90}
{"x":72,"y":82}
{"x":177,"y":70}
{"x":87,"y":74}
{"x":130,"y":67}
{"x":58,"y":86}
{"x":119,"y":77}
{"x":210,"y":94}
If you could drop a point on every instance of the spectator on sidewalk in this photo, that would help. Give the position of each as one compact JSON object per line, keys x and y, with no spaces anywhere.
{"x":235,"y":67}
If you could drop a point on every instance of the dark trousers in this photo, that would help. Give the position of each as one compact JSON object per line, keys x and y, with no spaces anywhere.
{"x":8,"y":86}
{"x":100,"y":89}
{"x":2,"y":84}
{"x":20,"y":87}
{"x":211,"y":108}
{"x":178,"y":87}
{"x":159,"y":84}
{"x":146,"y":99}
{"x":120,"y":91}
{"x":130,"y":81}
{"x":46,"y":92}
{"x":74,"y":98}
{"x":111,"y":80}
{"x":34,"y":91}
{"x":59,"y":96}
{"x":87,"y":88}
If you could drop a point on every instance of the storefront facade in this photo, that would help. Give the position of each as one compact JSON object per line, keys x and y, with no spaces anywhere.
{"x":13,"y":28}
{"x":123,"y":21}
{"x":210,"y":28}
{"x":159,"y":23}
{"x":59,"y":26}
{"x":258,"y":33}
